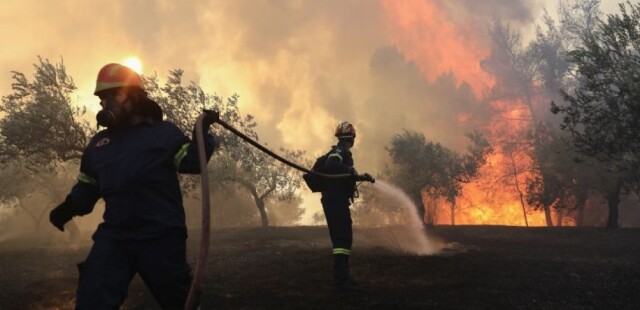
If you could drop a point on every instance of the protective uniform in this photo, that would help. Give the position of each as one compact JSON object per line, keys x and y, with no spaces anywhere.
{"x":335,"y":204}
{"x":134,"y":170}
{"x":336,"y":200}
{"x":133,"y":166}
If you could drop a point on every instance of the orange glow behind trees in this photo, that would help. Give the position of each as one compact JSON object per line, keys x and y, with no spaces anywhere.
{"x":426,"y":35}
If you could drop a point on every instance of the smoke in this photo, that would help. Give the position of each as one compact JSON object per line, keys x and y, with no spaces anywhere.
{"x":300,"y":67}
{"x":30,"y":221}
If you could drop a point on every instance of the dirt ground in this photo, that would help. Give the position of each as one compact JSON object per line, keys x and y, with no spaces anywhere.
{"x":482,"y":267}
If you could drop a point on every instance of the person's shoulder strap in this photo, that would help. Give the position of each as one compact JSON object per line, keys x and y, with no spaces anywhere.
{"x":336,"y":152}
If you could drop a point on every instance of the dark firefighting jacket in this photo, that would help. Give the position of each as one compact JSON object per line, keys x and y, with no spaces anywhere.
{"x":339,"y":161}
{"x":135,"y":171}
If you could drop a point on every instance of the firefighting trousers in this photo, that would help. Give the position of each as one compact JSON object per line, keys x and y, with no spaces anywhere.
{"x":111,"y":265}
{"x":339,"y":222}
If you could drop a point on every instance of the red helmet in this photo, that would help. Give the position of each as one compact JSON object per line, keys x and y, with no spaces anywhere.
{"x":116,"y":75}
{"x":345,"y":130}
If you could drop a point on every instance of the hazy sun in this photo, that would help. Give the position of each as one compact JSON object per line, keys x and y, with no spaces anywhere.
{"x":133,"y":63}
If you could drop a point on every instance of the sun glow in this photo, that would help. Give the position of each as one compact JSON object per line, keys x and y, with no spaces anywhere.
{"x":133,"y":63}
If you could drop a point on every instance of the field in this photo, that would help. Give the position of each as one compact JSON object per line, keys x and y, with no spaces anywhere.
{"x":479,"y":267}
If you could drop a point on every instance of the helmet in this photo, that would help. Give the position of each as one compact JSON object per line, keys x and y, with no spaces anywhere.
{"x":345,"y":130}
{"x":116,"y":75}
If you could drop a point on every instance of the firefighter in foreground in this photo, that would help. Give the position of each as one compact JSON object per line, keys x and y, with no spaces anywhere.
{"x":132,"y":165}
{"x":336,"y":198}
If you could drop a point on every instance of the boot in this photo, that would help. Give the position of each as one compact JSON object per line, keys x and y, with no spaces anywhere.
{"x":342,"y":281}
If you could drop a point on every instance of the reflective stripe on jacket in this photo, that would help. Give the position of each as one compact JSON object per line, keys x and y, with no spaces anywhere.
{"x":339,"y":161}
{"x":134,"y":169}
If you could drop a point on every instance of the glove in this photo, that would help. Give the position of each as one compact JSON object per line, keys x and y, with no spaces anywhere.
{"x":211,"y":116}
{"x":369,"y":178}
{"x":61,"y":214}
{"x":366,"y":177}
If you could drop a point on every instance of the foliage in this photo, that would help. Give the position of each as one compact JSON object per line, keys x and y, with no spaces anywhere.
{"x":40,"y":121}
{"x":603,"y":114}
{"x":41,"y":134}
{"x":14,"y":182}
{"x":422,"y":166}
{"x":562,"y":179}
{"x":235,"y":165}
{"x":578,"y":18}
{"x":42,"y":131}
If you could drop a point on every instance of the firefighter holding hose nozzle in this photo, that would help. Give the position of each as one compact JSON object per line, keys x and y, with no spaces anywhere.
{"x":132,"y":165}
{"x":336,"y":198}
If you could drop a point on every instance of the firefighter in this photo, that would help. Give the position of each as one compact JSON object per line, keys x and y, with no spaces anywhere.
{"x":132,"y":165}
{"x":336,"y":199}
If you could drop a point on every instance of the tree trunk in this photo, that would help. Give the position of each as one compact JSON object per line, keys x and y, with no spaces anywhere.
{"x":559,"y":217}
{"x":547,"y":215}
{"x":259,"y":199}
{"x":613,"y":200}
{"x":580,"y":205}
{"x":515,"y":177}
{"x":453,"y":213}
{"x":430,"y":216}
{"x":422,"y":208}
{"x":263,"y":212}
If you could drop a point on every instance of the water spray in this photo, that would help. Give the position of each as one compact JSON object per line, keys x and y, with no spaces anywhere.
{"x":419,"y":244}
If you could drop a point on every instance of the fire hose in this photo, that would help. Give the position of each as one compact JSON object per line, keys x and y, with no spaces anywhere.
{"x":198,"y":277}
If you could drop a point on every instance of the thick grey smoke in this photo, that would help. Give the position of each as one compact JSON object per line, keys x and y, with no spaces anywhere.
{"x":522,"y":12}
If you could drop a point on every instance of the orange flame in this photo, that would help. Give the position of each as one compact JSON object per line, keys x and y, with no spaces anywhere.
{"x":425,"y":33}
{"x":422,"y":31}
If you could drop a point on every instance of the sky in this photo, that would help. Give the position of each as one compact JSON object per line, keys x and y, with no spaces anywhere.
{"x":300,"y":67}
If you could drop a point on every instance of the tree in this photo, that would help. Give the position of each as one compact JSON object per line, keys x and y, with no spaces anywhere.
{"x":42,"y":130}
{"x":265,"y":179}
{"x":415,"y":166}
{"x":235,"y":163}
{"x":422,"y":167}
{"x":563,"y":180}
{"x":462,"y":169}
{"x":41,"y":123}
{"x":578,"y":18}
{"x":515,"y":100}
{"x":602,"y":112}
{"x":529,"y":77}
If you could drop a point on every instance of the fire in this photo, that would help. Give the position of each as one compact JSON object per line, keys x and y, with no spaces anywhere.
{"x":426,"y":34}
{"x":493,"y":199}
{"x":422,"y":31}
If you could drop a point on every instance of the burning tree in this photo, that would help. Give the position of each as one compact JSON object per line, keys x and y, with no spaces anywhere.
{"x":424,"y":167}
{"x":601,"y":112}
{"x":528,"y":77}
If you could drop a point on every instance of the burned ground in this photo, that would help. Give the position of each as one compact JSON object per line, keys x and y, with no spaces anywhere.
{"x":482,"y":267}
